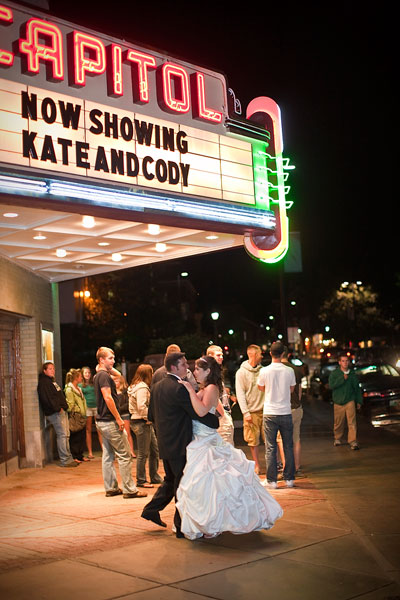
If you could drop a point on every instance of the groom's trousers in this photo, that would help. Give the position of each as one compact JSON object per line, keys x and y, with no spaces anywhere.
{"x":167,"y":490}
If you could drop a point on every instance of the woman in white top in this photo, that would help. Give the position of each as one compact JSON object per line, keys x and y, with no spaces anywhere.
{"x":147,"y":447}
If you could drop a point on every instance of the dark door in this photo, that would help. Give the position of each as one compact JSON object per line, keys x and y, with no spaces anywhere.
{"x":10,"y":388}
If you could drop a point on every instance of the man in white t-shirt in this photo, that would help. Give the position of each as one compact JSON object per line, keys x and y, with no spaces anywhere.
{"x":278,"y":382}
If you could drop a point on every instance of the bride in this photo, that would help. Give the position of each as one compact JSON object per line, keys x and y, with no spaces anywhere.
{"x":219,"y":490}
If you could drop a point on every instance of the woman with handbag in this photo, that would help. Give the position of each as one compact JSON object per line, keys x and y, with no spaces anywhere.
{"x":147,"y":446}
{"x":87,"y":388}
{"x":76,"y":414}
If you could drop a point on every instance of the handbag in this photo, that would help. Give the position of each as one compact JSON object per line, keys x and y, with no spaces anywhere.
{"x":76,"y":421}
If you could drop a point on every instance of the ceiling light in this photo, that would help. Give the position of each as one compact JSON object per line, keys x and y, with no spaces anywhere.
{"x":161,"y":247}
{"x":116,"y":257}
{"x":103,"y":244}
{"x":211,"y":237}
{"x":88,"y":222}
{"x":10,"y":215}
{"x":61,"y":253}
{"x":153,"y":229}
{"x":39,"y":236}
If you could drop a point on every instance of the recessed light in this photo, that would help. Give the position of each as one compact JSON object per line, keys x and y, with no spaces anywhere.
{"x":10,"y":215}
{"x":88,"y":222}
{"x":161,"y":247}
{"x":61,"y":253}
{"x":116,"y":257}
{"x":153,"y":229}
{"x":39,"y":236}
{"x":211,"y":237}
{"x":103,"y":244}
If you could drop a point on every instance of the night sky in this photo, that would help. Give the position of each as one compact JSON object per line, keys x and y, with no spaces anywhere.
{"x":330,"y":70}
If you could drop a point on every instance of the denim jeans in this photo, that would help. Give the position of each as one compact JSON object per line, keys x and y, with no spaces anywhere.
{"x":147,"y":447}
{"x":60,"y":423}
{"x":284,"y":424}
{"x":116,"y":446}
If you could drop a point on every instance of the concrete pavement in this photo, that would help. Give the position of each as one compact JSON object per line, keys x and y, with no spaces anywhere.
{"x":339,"y":538}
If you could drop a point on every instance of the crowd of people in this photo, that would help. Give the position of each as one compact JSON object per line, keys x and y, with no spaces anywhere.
{"x":185,"y":419}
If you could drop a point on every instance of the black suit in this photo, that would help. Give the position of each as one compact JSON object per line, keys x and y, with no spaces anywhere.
{"x":172,"y":413}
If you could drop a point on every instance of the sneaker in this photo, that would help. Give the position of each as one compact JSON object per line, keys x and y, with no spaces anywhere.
{"x":289,"y":483}
{"x":337,"y":443}
{"x":70,"y":465}
{"x":299,"y":474}
{"x":270,"y":484}
{"x":116,"y":492}
{"x":354,"y":446}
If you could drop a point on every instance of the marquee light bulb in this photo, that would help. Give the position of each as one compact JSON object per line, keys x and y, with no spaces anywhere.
{"x":88,"y":222}
{"x":153,"y":229}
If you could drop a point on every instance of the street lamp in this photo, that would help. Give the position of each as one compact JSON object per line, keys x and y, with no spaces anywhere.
{"x":215,"y":317}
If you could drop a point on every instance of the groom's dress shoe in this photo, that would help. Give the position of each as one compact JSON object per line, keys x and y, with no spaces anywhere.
{"x":155,"y":517}
{"x":179,"y":534}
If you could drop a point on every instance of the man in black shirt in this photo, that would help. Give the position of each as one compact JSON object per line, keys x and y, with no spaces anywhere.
{"x":54,"y":406}
{"x":111,"y":426}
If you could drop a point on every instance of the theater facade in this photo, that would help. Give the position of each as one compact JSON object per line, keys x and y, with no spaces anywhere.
{"x":113,"y":156}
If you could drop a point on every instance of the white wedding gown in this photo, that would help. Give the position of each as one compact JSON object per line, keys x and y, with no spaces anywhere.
{"x":219,"y":490}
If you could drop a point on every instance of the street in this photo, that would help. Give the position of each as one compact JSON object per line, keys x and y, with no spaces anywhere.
{"x":339,"y":535}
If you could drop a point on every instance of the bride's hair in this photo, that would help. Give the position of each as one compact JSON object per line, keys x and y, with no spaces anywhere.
{"x":215,"y":374}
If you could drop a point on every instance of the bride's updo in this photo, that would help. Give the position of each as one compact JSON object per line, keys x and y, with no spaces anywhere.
{"x":215,"y":374}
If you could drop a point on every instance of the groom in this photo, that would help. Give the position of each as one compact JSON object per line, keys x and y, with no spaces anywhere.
{"x":172,"y":413}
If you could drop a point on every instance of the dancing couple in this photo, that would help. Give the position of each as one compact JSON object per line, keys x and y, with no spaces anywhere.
{"x":214,"y":485}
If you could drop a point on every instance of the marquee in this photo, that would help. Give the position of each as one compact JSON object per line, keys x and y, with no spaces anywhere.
{"x":86,"y":116}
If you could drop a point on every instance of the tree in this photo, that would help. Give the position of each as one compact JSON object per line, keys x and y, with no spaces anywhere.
{"x":353,"y":313}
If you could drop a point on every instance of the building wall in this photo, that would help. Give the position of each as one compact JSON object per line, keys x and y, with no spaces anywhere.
{"x":35,"y":301}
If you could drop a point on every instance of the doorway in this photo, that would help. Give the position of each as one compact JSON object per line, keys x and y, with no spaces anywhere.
{"x":11,"y":415}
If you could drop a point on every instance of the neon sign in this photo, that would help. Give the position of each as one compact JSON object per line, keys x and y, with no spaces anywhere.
{"x":45,"y":44}
{"x":89,"y":106}
{"x":270,"y":184}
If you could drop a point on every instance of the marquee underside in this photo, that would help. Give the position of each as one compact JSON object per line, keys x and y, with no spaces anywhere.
{"x":90,"y":251}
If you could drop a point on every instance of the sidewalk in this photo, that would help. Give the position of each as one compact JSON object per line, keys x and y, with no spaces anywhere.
{"x":339,"y":538}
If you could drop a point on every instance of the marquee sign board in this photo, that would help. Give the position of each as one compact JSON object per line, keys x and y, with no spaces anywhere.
{"x":93,"y":109}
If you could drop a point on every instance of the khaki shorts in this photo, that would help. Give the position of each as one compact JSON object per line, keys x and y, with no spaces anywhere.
{"x":297,"y":415}
{"x":91,"y":412}
{"x":252,"y":430}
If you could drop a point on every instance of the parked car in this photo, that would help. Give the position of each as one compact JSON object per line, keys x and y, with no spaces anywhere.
{"x":319,"y":380}
{"x":380,"y":386}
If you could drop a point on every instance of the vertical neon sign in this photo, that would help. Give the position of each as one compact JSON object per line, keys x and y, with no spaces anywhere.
{"x":270,"y":177}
